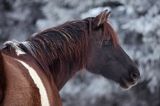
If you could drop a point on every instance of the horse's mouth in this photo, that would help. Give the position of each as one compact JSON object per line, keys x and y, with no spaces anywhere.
{"x":127,"y":84}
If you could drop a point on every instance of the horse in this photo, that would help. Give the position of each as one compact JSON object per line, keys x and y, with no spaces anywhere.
{"x":33,"y":72}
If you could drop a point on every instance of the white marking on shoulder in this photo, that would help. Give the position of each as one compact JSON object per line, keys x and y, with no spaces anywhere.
{"x":38,"y":82}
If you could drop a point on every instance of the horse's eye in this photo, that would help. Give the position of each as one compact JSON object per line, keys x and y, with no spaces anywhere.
{"x":107,"y":43}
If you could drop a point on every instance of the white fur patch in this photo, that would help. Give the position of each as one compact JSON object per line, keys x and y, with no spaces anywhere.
{"x":19,"y":52}
{"x":38,"y":82}
{"x":14,"y":45}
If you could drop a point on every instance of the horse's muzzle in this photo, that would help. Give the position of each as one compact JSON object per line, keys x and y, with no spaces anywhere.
{"x":127,"y":83}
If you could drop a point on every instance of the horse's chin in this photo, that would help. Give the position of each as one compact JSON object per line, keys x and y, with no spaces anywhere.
{"x":127,"y":85}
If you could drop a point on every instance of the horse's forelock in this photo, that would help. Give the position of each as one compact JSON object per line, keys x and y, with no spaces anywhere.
{"x":107,"y":29}
{"x":110,"y":32}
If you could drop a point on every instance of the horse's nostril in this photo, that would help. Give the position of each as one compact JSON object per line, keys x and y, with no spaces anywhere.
{"x":135,"y":75}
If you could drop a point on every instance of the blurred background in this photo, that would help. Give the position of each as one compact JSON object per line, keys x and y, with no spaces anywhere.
{"x":137,"y":23}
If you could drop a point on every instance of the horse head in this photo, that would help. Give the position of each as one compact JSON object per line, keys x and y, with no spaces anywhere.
{"x":107,"y":58}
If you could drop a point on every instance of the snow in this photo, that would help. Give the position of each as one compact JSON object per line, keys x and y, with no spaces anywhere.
{"x":95,"y":11}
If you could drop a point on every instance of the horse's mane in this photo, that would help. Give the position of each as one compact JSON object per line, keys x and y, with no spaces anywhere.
{"x":65,"y":46}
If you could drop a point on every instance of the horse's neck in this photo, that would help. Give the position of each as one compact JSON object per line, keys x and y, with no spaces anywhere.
{"x":61,"y":55}
{"x":63,"y":75}
{"x":61,"y":71}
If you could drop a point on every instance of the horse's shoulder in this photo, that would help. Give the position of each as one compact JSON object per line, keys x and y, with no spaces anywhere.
{"x":19,"y":85}
{"x":24,"y":72}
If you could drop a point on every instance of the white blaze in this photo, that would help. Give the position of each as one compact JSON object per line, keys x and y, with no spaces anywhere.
{"x":38,"y":82}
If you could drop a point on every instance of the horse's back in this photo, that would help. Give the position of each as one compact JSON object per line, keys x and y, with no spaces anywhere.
{"x":21,"y":89}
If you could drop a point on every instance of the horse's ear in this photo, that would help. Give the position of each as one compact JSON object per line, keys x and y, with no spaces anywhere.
{"x":101,"y":18}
